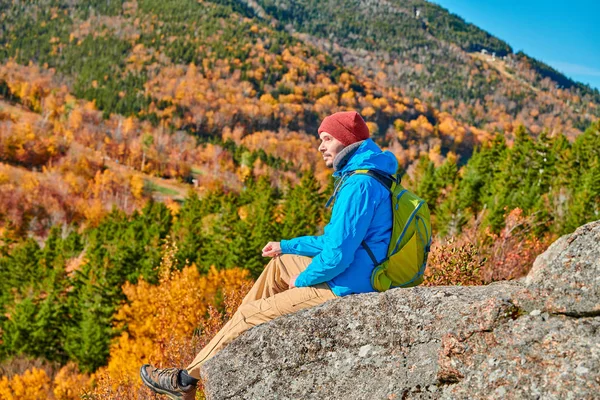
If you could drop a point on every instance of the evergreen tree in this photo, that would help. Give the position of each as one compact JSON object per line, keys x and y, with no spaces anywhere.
{"x":446,"y":174}
{"x":187,"y":230}
{"x":19,"y":269}
{"x":585,"y":203}
{"x":34,"y":285}
{"x":35,"y":322}
{"x":223,"y":245}
{"x":17,"y":328}
{"x":516,"y":183}
{"x":561,"y":148}
{"x":447,"y":218}
{"x":303,"y":208}
{"x":129,"y":247}
{"x":426,"y":182}
{"x":586,"y":148}
{"x":91,"y":306}
{"x":578,"y":197}
{"x":475,"y":187}
{"x":120,"y":249}
{"x":260,"y":225}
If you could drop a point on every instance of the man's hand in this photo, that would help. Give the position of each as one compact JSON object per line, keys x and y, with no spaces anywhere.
{"x":272,"y":249}
{"x":292,"y":283}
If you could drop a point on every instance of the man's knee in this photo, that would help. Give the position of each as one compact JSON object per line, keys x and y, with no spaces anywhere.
{"x":285,"y":259}
{"x":280,"y":263}
{"x":275,"y":263}
{"x":256,"y":312}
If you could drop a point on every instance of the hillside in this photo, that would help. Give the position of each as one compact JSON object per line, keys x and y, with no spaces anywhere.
{"x":146,"y":84}
{"x":115,"y":52}
{"x":426,"y":51}
{"x":107,"y":84}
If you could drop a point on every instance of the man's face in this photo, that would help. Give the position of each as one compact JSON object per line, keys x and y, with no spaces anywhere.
{"x":330,"y":147}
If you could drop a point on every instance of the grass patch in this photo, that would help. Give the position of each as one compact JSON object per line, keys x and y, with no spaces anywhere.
{"x":153,"y":187}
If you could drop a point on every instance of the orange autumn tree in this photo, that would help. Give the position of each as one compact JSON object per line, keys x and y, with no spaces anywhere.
{"x":167,"y":324}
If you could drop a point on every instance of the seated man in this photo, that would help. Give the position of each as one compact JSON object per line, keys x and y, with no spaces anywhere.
{"x":309,"y":270}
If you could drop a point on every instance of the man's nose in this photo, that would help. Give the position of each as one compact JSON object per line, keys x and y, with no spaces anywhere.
{"x":322,"y":147}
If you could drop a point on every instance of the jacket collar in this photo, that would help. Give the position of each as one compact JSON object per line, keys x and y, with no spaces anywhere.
{"x":342,"y":158}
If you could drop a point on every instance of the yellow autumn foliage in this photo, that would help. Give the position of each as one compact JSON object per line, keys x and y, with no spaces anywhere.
{"x":166,"y":323}
{"x":373,"y":128}
{"x":422,"y":126}
{"x":69,"y":383}
{"x":348,"y":98}
{"x":368,"y":112}
{"x":136,"y":184}
{"x":448,"y":126}
{"x":34,"y":384}
{"x":163,"y":324}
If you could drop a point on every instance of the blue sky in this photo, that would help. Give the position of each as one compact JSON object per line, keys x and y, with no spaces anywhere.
{"x":563,"y":34}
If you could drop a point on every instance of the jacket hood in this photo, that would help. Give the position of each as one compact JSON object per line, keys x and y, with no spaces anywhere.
{"x":369,"y":156}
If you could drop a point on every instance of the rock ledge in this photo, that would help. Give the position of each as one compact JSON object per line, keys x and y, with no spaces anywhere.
{"x":534,"y":338}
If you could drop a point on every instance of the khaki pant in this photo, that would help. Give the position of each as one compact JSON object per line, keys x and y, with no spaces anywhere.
{"x":269,"y":298}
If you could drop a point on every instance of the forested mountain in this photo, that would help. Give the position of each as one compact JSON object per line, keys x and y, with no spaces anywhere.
{"x":149,"y":146}
{"x":115,"y":52}
{"x":436,"y":56}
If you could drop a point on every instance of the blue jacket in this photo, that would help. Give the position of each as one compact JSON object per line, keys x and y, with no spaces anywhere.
{"x":362,"y":211}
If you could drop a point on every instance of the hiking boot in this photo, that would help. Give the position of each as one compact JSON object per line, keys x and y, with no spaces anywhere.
{"x":165,"y":381}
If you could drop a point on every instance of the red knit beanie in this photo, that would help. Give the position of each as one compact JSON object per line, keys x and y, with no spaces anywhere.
{"x":348,"y":127}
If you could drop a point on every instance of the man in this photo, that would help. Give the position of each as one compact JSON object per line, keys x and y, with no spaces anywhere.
{"x":309,"y":270}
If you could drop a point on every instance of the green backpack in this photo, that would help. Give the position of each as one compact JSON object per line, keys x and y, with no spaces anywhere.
{"x":409,"y":246}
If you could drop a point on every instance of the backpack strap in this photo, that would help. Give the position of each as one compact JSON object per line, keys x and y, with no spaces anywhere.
{"x":387,"y":181}
{"x":383,"y":178}
{"x":371,"y":255}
